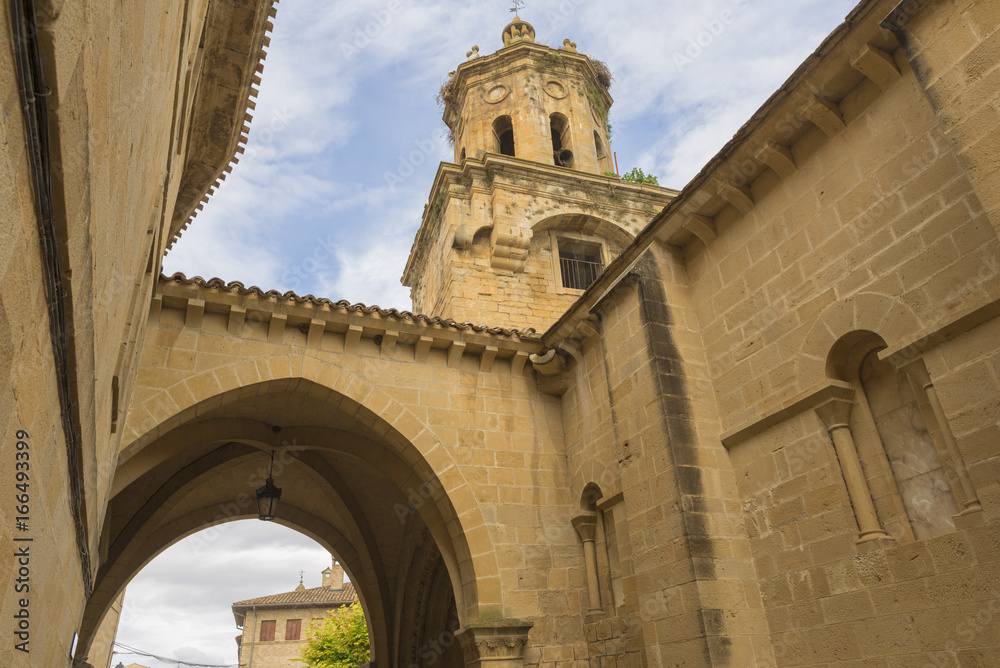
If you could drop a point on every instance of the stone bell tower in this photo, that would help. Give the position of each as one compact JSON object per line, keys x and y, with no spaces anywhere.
{"x":530,"y":212}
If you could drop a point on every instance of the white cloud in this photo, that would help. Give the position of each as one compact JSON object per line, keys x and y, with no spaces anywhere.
{"x":179,"y":605}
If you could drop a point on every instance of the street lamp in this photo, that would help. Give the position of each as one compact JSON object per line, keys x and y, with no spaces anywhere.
{"x":268,"y":496}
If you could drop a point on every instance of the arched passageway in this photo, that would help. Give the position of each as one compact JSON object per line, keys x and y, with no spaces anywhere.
{"x":350,"y":480}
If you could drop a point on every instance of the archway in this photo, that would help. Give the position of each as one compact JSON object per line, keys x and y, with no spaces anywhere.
{"x":184,"y":603}
{"x":349,"y":478}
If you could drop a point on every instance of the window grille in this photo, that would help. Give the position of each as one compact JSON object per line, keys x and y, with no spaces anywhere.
{"x":579,"y":265}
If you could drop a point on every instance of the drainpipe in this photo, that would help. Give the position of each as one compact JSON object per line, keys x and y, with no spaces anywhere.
{"x":253,"y":636}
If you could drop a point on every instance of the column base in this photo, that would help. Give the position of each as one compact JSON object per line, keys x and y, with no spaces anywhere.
{"x":970,"y":517}
{"x":874,"y":541}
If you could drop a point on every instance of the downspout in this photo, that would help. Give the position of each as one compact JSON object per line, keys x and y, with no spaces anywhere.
{"x":253,"y":636}
{"x":33,"y":93}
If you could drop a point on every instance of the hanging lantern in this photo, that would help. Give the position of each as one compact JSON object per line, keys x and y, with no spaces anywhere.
{"x":268,"y":496}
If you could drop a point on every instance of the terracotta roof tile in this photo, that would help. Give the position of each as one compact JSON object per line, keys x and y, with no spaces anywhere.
{"x":318,"y":595}
{"x":238,"y":288}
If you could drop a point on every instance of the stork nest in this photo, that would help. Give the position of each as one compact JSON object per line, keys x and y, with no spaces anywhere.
{"x":604,"y":76}
{"x":447,"y":92}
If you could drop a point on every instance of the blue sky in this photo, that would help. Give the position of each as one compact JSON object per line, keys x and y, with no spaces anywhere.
{"x":348,"y":97}
{"x":309,"y":208}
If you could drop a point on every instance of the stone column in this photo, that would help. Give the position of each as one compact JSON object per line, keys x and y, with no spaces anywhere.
{"x":920,"y":378}
{"x":586,"y":527}
{"x":494,"y":645}
{"x":835,"y":414}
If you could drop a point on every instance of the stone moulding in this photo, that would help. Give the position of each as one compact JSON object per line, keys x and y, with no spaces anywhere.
{"x":903,"y":353}
{"x":799,"y":403}
{"x":507,"y":60}
{"x":898,"y":356}
{"x":213,"y":154}
{"x":508,"y":170}
{"x":274,"y":312}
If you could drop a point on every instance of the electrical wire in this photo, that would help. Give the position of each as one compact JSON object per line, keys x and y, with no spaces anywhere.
{"x":31,"y":80}
{"x":139,"y":652}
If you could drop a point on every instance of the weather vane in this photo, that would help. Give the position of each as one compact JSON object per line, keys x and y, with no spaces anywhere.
{"x":518,"y":5}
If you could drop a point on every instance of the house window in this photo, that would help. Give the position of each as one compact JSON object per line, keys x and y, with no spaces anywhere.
{"x":293,"y":629}
{"x":267,"y":630}
{"x":503,"y":135}
{"x":580,"y":263}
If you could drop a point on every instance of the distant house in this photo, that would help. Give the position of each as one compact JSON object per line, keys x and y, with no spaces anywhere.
{"x":274,"y":626}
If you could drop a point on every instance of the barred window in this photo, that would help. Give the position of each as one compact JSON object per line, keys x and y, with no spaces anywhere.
{"x":580,"y":263}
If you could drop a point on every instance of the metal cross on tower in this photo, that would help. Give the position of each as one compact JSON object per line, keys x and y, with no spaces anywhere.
{"x":518,"y":5}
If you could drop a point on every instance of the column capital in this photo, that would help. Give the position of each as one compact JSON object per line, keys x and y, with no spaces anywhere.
{"x":494,"y":644}
{"x":835,"y":413}
{"x":586,"y":525}
{"x":917,"y":372}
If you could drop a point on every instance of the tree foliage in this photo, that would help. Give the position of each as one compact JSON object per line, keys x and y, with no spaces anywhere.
{"x":339,"y":640}
{"x":637,"y":176}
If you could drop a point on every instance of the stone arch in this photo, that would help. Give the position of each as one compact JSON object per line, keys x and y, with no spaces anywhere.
{"x":171,"y":522}
{"x":595,"y":473}
{"x":890,"y":422}
{"x":587,"y":224}
{"x":562,"y":139}
{"x":413,"y":439}
{"x":503,"y":136}
{"x":591,"y":495}
{"x":407,"y":447}
{"x":866,"y":311}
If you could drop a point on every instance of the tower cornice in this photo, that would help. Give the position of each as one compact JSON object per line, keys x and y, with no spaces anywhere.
{"x":514,"y":58}
{"x":600,"y":194}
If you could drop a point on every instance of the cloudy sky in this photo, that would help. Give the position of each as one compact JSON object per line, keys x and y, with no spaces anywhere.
{"x":343,"y":148}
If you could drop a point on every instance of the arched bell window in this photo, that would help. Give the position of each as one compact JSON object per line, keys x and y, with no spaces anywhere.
{"x":503,"y":135}
{"x":562,"y":151}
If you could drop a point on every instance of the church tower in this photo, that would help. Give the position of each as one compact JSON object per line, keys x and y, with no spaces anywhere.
{"x":531,"y":211}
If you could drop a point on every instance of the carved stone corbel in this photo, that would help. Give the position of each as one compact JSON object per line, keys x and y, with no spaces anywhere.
{"x":552,"y":377}
{"x":494,"y":644}
{"x":509,"y":245}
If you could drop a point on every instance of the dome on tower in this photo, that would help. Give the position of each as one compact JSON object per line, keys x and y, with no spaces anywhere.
{"x":518,"y":31}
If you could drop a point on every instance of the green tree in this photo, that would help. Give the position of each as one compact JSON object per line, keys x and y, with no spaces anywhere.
{"x":339,"y":640}
{"x":636,"y":176}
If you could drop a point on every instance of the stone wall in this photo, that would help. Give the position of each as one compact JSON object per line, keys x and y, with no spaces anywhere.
{"x":109,"y":116}
{"x":829,"y":312}
{"x":280,"y":652}
{"x":118,"y":114}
